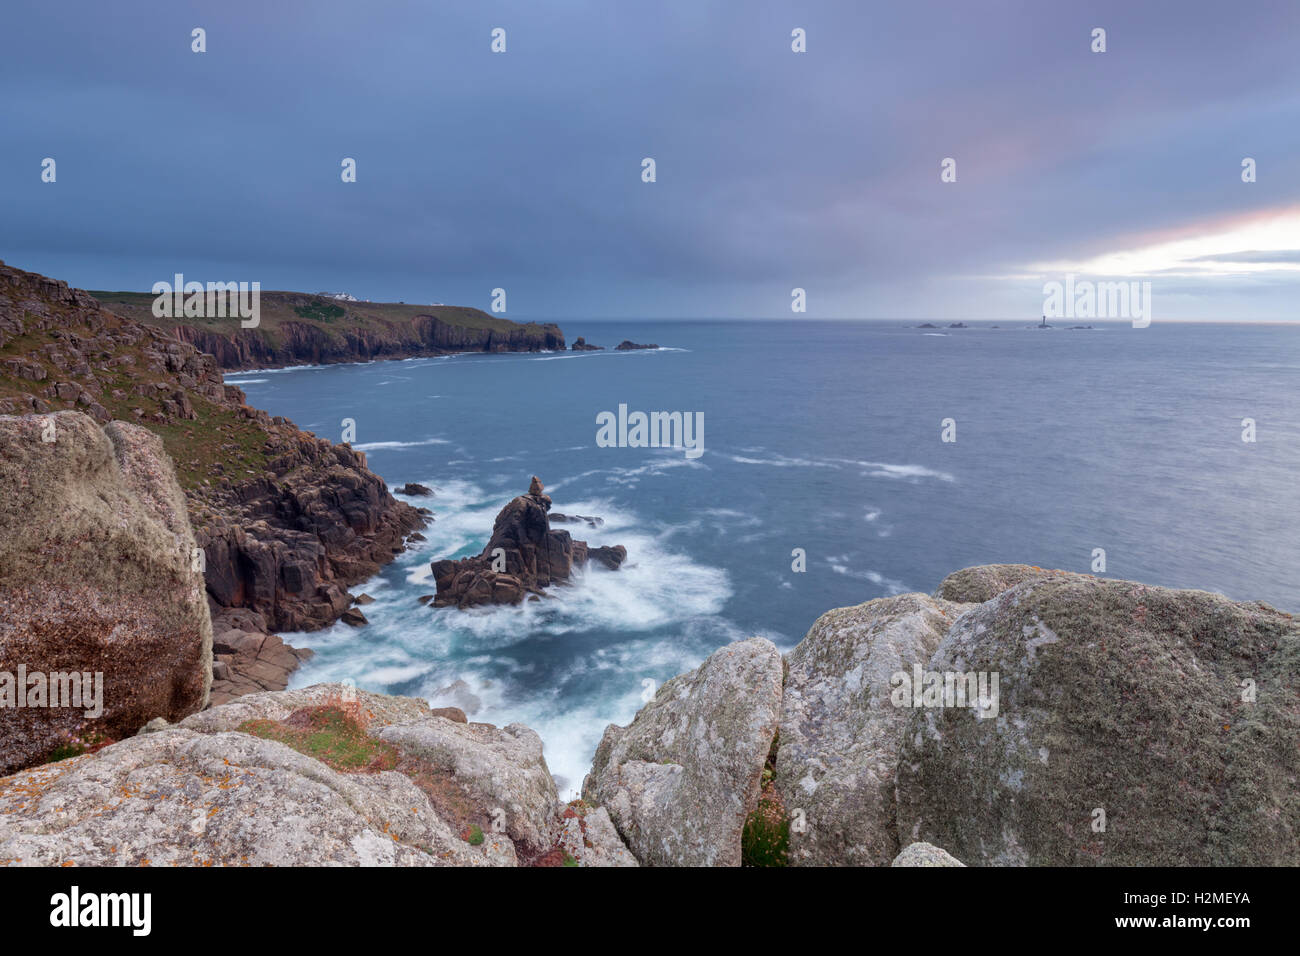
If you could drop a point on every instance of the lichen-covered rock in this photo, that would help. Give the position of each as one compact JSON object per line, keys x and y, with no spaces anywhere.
{"x":179,"y":797}
{"x":379,"y":710}
{"x":503,"y":766}
{"x":986,"y":581}
{"x":216,"y":789}
{"x":97,"y":577}
{"x":1136,"y":726}
{"x":840,"y":732}
{"x":925,"y":854}
{"x":679,"y":780}
{"x":590,"y":838}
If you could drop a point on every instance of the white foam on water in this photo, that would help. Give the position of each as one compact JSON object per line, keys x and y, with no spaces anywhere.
{"x":870,"y":469}
{"x":841,"y":565}
{"x":665,"y":460}
{"x":882,"y":469}
{"x":375,"y":445}
{"x":659,"y":614}
{"x":781,"y":461}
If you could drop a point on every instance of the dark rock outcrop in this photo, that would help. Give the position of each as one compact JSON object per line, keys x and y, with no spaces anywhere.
{"x":523,"y":556}
{"x":986,"y":581}
{"x":246,"y":659}
{"x":415,"y":490}
{"x":580,"y":345}
{"x":289,"y":545}
{"x":628,"y":345}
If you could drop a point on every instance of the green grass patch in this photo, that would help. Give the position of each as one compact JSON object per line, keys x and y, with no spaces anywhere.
{"x":765,"y":839}
{"x":320,"y":311}
{"x":329,"y":734}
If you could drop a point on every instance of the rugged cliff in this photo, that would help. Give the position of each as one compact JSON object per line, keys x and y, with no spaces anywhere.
{"x":299,"y":329}
{"x":287,"y":521}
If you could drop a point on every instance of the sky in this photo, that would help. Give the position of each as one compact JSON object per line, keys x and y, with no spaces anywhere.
{"x":774,"y":169}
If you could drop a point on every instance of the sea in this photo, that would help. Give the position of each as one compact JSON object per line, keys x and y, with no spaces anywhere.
{"x":841,"y":462}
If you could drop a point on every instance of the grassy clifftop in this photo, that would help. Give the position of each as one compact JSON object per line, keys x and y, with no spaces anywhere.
{"x":297,"y":328}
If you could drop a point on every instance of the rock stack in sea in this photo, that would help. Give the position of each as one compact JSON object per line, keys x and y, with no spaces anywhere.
{"x":523,"y":556}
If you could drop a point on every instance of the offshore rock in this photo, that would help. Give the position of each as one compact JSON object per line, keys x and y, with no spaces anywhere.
{"x":523,"y":556}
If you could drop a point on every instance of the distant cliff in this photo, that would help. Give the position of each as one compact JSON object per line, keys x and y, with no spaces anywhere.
{"x":300,"y":329}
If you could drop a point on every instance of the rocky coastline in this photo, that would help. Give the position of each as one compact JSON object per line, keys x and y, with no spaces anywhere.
{"x":284,"y":522}
{"x":155,"y":531}
{"x":300,"y":329}
{"x":1017,"y":717}
{"x":1119,"y":702}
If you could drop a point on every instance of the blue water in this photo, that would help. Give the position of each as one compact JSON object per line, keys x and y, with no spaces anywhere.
{"x":819,"y":436}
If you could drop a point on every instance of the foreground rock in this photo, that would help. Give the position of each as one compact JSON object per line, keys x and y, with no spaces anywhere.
{"x":840,"y":732}
{"x":180,"y":797}
{"x":1136,"y":726}
{"x":679,"y":781}
{"x":925,"y":854}
{"x":101,"y":605}
{"x":986,"y":581}
{"x":589,"y":838}
{"x":221,"y":789}
{"x":523,"y":556}
{"x":505,"y":767}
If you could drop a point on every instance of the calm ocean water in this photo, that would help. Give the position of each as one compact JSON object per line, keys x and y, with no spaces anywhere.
{"x":819,"y":436}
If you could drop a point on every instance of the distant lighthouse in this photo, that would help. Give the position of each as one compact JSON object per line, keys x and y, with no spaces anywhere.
{"x":1043,"y":324}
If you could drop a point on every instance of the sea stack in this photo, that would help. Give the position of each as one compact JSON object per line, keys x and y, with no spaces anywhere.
{"x":523,"y":556}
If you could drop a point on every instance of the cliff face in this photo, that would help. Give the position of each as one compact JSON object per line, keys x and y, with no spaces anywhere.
{"x":297,"y":329}
{"x":287,"y":521}
{"x":303,"y":344}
